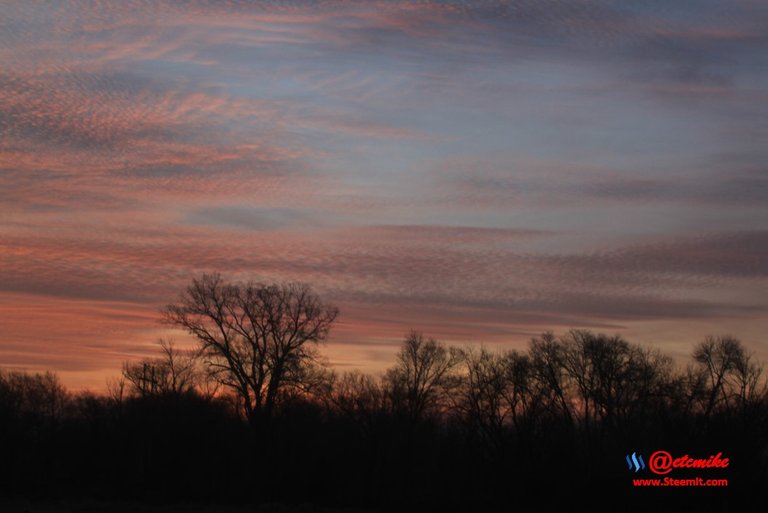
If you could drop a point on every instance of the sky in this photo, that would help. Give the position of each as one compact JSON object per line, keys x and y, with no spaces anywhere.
{"x":478,"y":171}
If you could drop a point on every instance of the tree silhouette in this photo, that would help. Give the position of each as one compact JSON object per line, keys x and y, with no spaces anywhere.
{"x":483,"y":396}
{"x":34,"y":398}
{"x":256,"y":339}
{"x":417,"y":380}
{"x":730,"y":377}
{"x":176,"y":372}
{"x":548,"y":356}
{"x":360,"y":398}
{"x":443,"y":429}
{"x":613,"y":379}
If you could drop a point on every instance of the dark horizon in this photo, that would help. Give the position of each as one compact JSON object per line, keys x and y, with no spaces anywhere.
{"x":580,"y":418}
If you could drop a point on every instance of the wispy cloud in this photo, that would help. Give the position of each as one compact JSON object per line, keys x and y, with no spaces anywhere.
{"x":479,"y":170}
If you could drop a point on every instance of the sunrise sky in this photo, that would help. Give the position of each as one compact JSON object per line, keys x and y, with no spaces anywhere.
{"x":480,"y":171}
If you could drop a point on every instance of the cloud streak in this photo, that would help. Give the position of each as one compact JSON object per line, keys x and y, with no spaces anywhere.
{"x":482,"y":171}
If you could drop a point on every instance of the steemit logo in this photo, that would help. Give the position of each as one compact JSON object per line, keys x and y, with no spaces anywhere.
{"x":635,"y":461}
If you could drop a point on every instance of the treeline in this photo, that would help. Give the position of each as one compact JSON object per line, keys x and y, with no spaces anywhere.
{"x":252,"y":416}
{"x":444,"y":427}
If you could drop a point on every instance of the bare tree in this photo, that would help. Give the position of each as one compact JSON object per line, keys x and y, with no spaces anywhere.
{"x":497,"y":394}
{"x":529,"y":400}
{"x":416,"y":381}
{"x":256,"y":339}
{"x":717,"y":358}
{"x":33,"y":396}
{"x":749,"y":389}
{"x":360,"y":398}
{"x":175,"y":372}
{"x":730,"y":375}
{"x":547,"y":355}
{"x":116,"y":390}
{"x":613,"y":379}
{"x":482,"y":393}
